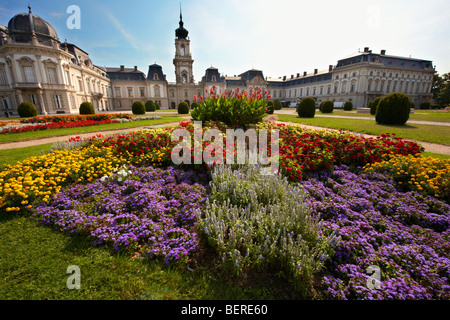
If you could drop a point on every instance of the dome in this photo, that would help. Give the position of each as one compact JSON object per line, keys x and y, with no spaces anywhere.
{"x":22,"y":26}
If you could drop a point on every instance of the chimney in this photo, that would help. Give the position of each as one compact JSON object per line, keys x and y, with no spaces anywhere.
{"x":304,"y":73}
{"x":330,"y":67}
{"x":284,"y":77}
{"x":292,"y":76}
{"x":366,"y":49}
{"x":383,"y":52}
{"x":122,"y":68}
{"x":135,"y":68}
{"x":298,"y":75}
{"x":315,"y":71}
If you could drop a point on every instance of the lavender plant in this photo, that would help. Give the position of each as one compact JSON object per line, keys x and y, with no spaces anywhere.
{"x":254,"y":221}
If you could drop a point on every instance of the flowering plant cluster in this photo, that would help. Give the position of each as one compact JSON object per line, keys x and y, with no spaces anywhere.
{"x":235,"y":109}
{"x":56,"y":125}
{"x":39,"y":178}
{"x":147,"y":211}
{"x":77,"y":117}
{"x":424,"y":174}
{"x":303,"y":150}
{"x":404,"y":234}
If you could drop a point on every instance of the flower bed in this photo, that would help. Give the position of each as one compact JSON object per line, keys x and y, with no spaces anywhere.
{"x":148,"y":211}
{"x":77,"y":117}
{"x":55,"y":125}
{"x":404,"y":234}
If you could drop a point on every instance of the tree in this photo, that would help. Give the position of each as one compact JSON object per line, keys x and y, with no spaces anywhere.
{"x":441,"y":89}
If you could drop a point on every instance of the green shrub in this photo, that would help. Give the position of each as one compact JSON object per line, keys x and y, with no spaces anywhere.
{"x":269,"y":107}
{"x":255,"y":221}
{"x":194,"y":105}
{"x":27,"y":109}
{"x":306,"y":108}
{"x":394,"y":108}
{"x":183,"y":108}
{"x":425,"y":105}
{"x":86,"y":108}
{"x":158,"y":106}
{"x":348,"y":106}
{"x":327,"y":106}
{"x":374,"y":105}
{"x":277,"y":105}
{"x":150,"y":106}
{"x":138,"y":107}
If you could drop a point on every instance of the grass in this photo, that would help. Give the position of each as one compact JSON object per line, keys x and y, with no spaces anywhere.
{"x":420,"y":132}
{"x":11,"y":156}
{"x":68,"y":131}
{"x":422,"y":115}
{"x":35,"y":258}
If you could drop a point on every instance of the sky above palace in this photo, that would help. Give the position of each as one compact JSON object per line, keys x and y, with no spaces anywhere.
{"x":280,"y":37}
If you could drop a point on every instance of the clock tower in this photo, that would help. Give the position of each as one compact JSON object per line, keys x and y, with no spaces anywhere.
{"x":183,"y":59}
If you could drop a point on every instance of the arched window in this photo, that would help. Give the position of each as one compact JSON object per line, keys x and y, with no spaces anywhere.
{"x":157,"y":91}
{"x":184,"y":78}
{"x":155,"y":76}
{"x":183,"y":50}
{"x":213,"y":78}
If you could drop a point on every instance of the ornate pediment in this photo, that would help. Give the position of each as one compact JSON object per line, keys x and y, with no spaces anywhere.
{"x":257,"y":81}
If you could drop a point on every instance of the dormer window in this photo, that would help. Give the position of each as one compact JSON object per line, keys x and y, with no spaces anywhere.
{"x":213,"y":78}
{"x":155,"y":76}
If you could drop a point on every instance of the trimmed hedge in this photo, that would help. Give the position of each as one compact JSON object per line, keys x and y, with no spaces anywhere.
{"x":150,"y":106}
{"x":27,"y":109}
{"x":327,"y":106}
{"x":306,"y":108}
{"x":183,"y":108}
{"x":425,"y":105}
{"x":348,"y":106}
{"x":86,"y":108}
{"x":374,"y":105}
{"x":138,"y":107}
{"x":277,"y":105}
{"x":270,"y":107}
{"x":394,"y":108}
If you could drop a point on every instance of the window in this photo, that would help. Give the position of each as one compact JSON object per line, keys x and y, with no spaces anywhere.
{"x":155,"y":76}
{"x":80,"y":85}
{"x":52,"y":76}
{"x":185,"y":93}
{"x":67,"y":77}
{"x":183,"y":50}
{"x":157,"y":91}
{"x":119,"y":104}
{"x":58,"y":104}
{"x":117,"y":92}
{"x":213,"y":78}
{"x":3,"y":79}
{"x":142,"y":91}
{"x":352,"y":87}
{"x":184,"y":78}
{"x":130,"y":92}
{"x":328,"y":89}
{"x":172,"y":93}
{"x":29,"y":74}
{"x":301,"y":92}
{"x":314,"y":91}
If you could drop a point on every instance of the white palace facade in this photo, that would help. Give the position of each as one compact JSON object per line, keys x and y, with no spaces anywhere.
{"x":57,"y":77}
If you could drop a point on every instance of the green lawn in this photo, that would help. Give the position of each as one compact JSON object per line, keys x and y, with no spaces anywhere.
{"x":69,"y":131}
{"x":420,"y":132}
{"x":11,"y":156}
{"x":422,"y":115}
{"x":34,"y":261}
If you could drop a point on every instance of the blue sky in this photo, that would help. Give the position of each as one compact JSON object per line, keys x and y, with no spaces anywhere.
{"x":280,"y":37}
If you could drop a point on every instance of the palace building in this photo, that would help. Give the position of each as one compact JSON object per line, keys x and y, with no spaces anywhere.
{"x":58,"y":76}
